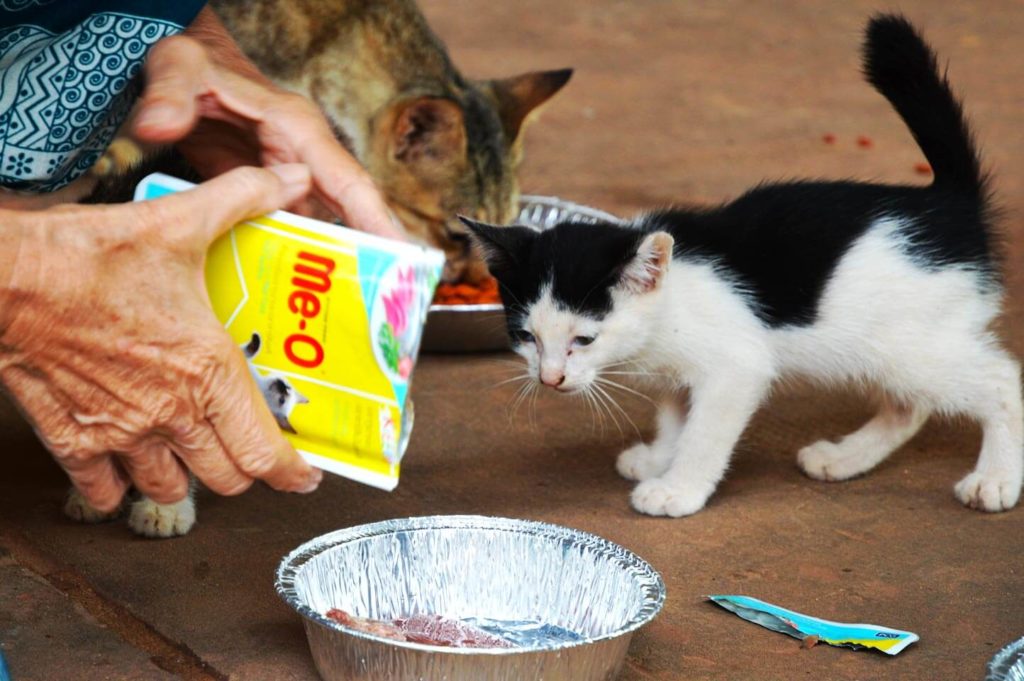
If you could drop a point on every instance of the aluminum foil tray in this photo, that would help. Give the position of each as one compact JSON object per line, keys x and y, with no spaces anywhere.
{"x":468,"y":567}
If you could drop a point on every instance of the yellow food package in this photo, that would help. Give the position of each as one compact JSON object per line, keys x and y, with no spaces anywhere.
{"x":330,"y":321}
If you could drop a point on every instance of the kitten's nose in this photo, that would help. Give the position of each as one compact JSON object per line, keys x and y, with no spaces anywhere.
{"x":553,"y":379}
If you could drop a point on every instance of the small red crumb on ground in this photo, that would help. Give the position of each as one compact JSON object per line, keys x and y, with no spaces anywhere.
{"x":922,"y":168}
{"x":809,"y":641}
{"x":828,"y":138}
{"x":864,"y":142}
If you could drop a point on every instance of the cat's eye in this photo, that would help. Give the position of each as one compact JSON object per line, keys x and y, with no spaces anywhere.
{"x":523,"y":336}
{"x":583,"y":341}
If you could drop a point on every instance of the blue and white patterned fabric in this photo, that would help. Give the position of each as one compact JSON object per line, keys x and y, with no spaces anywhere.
{"x":67,"y":81}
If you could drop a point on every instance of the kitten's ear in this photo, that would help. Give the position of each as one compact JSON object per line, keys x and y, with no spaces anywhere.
{"x":252,"y":348}
{"x":284,"y":424}
{"x":503,"y":248}
{"x":428,"y":129}
{"x":520,"y":95}
{"x":646,"y":270}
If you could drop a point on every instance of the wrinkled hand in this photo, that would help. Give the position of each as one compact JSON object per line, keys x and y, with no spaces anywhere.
{"x":204,"y":95}
{"x":109,"y":346}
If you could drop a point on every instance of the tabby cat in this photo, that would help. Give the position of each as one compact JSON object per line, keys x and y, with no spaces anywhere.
{"x":436,"y":142}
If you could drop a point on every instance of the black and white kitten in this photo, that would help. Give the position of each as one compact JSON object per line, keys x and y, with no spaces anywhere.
{"x":890,"y":287}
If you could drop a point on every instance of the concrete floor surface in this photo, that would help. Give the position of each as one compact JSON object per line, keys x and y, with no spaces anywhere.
{"x":672,"y":102}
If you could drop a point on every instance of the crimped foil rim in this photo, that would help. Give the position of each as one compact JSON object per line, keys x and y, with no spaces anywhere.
{"x":592,"y":213}
{"x":1009,"y":659}
{"x":651,"y":583}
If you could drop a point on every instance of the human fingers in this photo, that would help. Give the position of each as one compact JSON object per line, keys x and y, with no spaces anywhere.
{"x":92,"y":471}
{"x":211,"y":208}
{"x":293,"y":126}
{"x":175,"y":77}
{"x":348,"y":189}
{"x":201,"y":450}
{"x":156,"y":472}
{"x":250,"y":433}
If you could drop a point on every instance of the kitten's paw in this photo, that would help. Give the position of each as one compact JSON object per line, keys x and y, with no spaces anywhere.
{"x":641,"y":462}
{"x":150,"y":519}
{"x":80,"y":510}
{"x":992,"y":492}
{"x":660,"y":497}
{"x":826,"y":460}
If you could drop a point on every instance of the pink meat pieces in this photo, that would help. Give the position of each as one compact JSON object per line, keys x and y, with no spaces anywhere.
{"x":439,"y":631}
{"x":375,"y":627}
{"x":431,"y":630}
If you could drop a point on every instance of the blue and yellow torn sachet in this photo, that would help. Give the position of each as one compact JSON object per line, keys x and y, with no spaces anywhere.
{"x":858,"y":636}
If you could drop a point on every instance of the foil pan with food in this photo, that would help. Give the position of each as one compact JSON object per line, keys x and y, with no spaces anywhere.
{"x":468,"y":598}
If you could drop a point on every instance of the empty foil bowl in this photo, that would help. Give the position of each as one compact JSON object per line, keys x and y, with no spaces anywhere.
{"x":1008,"y":663}
{"x":587,"y":595}
{"x":479,"y":328}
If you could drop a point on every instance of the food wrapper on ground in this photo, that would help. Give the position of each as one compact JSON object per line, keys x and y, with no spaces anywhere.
{"x":889,"y":641}
{"x":330,"y":321}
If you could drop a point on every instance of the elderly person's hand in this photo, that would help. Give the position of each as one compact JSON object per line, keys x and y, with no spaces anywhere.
{"x":204,"y":95}
{"x":109,"y":345}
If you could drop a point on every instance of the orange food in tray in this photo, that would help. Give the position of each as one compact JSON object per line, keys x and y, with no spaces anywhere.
{"x":486,"y":292}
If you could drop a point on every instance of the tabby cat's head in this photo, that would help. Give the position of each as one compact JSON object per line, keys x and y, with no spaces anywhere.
{"x":438,"y":156}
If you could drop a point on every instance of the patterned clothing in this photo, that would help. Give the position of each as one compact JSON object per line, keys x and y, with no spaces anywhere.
{"x":67,"y":82}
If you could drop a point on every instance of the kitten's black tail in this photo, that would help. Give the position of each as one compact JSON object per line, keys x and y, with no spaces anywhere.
{"x":902,"y":67}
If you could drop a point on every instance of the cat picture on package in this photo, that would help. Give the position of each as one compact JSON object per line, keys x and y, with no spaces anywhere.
{"x":889,"y":288}
{"x":278,"y":392}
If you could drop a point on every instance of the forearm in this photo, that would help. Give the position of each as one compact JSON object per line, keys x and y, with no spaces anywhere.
{"x":17,"y":266}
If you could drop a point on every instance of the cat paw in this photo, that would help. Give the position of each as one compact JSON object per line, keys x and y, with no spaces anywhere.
{"x":662,"y":498}
{"x":825,"y":460}
{"x":640,"y":462}
{"x":80,"y":510}
{"x":150,"y":519}
{"x":992,"y":492}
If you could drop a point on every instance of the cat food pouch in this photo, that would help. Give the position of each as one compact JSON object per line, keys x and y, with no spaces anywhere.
{"x":804,"y":627}
{"x":330,"y":321}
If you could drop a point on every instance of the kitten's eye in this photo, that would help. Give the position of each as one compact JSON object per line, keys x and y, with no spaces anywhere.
{"x":583,"y":341}
{"x":524,"y":336}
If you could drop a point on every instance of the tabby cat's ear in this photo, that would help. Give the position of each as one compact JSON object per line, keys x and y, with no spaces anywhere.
{"x":504,"y":249}
{"x":428,"y":129}
{"x":519,"y":95}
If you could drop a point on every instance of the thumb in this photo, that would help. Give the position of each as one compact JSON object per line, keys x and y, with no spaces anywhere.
{"x":167,"y":110}
{"x":217,"y":205}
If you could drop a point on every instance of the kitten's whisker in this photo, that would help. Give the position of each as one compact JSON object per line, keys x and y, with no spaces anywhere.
{"x":603,"y":399}
{"x":622,"y":411}
{"x":521,"y":377}
{"x":533,"y":407}
{"x":521,"y":394}
{"x":619,"y":386}
{"x":590,"y":410}
{"x":597,"y":415}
